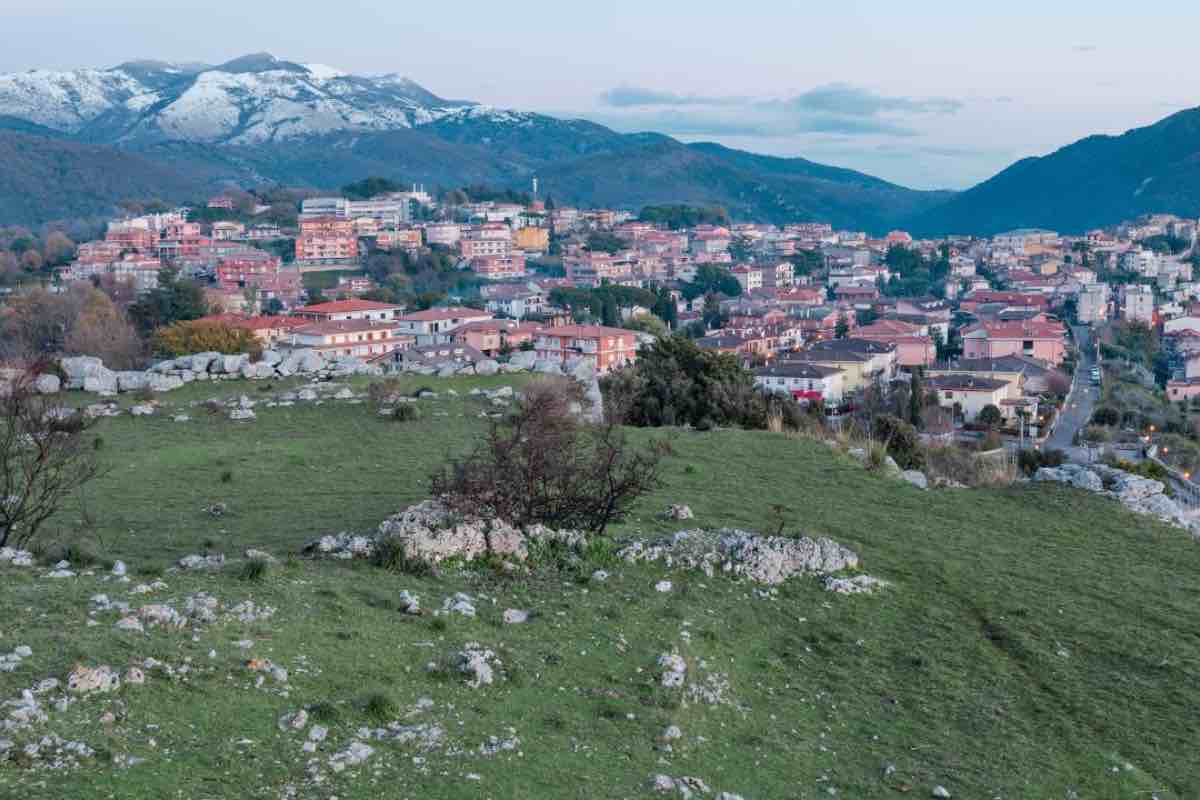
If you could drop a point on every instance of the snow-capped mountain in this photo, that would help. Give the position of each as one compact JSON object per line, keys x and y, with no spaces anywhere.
{"x":251,"y":100}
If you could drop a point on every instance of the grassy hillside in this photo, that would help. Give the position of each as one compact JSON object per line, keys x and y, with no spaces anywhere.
{"x":1036,"y":642}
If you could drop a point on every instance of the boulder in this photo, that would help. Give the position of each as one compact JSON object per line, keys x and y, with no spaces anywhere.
{"x":763,"y":559}
{"x":272,"y":357}
{"x":469,"y":369}
{"x":916,"y":478}
{"x":101,"y":381}
{"x":202,"y":361}
{"x":79,"y":368}
{"x":523,"y":359}
{"x":548,"y":367}
{"x":241,"y":414}
{"x":305,"y":361}
{"x":230,"y":365}
{"x":133,"y":381}
{"x":47,"y":383}
{"x":447,"y":371}
{"x":487,"y":367}
{"x":164,"y":383}
{"x":142,"y":410}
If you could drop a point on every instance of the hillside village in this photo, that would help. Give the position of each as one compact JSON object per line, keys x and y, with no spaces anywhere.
{"x":291,"y":417}
{"x":406,"y":281}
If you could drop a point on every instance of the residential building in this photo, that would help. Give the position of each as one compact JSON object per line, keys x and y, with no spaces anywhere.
{"x":325,"y":240}
{"x":341,"y":310}
{"x":433,"y":326}
{"x":805,"y":382}
{"x":492,"y":336}
{"x":863,"y":361}
{"x":1092,"y":305}
{"x":606,"y":348}
{"x":968,"y":395}
{"x":359,"y":338}
{"x":748,"y":276}
{"x":1045,"y":341}
{"x":1137,"y":303}
{"x":914,"y":346}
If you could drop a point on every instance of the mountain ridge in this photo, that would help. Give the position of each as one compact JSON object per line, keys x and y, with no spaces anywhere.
{"x":257,"y":118}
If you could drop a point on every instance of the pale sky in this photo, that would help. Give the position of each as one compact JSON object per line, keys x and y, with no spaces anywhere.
{"x":928,"y":94}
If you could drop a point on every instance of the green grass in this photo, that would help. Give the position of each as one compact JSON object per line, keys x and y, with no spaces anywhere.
{"x":1034,"y":639}
{"x":326,"y":280}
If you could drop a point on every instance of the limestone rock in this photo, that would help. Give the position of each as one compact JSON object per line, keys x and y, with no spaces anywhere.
{"x":763,"y":559}
{"x":916,"y":478}
{"x":89,"y":680}
{"x":47,"y":383}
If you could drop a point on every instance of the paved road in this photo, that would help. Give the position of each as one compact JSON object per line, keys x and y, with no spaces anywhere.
{"x":1084,"y":397}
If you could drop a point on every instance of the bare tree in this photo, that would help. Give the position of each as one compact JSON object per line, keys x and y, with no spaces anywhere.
{"x":44,"y":457}
{"x":543,"y":464}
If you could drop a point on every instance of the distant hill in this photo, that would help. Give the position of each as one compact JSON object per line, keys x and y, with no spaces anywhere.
{"x":1094,"y":182}
{"x":44,"y":179}
{"x":260,"y":119}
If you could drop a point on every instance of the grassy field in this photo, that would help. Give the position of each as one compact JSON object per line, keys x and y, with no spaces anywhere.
{"x":1036,"y":641}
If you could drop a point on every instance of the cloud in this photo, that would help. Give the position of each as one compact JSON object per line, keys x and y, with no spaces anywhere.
{"x":745,"y":121}
{"x":838,"y":109}
{"x":844,"y":99}
{"x":636,"y":96}
{"x":1085,"y":48}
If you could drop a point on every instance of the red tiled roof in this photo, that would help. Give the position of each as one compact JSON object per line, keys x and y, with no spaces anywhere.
{"x":348,"y":306}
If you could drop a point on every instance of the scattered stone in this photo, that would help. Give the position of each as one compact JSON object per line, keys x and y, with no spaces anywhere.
{"x":940,"y":791}
{"x":663,"y":586}
{"x":600,"y":576}
{"x":458,"y":603}
{"x":763,"y":559}
{"x":678,"y":512}
{"x":261,"y":555}
{"x":857,"y":584}
{"x":241,"y":414}
{"x":478,"y":664}
{"x":88,"y":680}
{"x":916,"y":478}
{"x":674,"y":670}
{"x":515,"y":616}
{"x":294,"y":720}
{"x":142,"y":410}
{"x":409,"y":603}
{"x":198,"y":562}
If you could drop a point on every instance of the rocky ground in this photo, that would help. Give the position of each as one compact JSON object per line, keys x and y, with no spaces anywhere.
{"x":776,"y":622}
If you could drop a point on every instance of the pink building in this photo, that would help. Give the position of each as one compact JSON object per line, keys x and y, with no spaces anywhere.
{"x":326,"y":239}
{"x":606,"y":348}
{"x":499,"y":267}
{"x":1041,"y":340}
{"x":914,"y":348}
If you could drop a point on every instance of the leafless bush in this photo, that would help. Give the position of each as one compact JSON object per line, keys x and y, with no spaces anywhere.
{"x":542,"y":464}
{"x":43,"y":459}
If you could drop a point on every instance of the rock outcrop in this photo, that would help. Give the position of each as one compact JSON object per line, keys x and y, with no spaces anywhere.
{"x":1140,"y":495}
{"x":763,"y":559}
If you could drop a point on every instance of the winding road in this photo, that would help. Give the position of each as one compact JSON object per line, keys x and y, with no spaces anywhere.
{"x":1081,"y":401}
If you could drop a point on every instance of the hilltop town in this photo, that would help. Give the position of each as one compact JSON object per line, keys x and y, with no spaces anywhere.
{"x":382,"y":488}
{"x":404,"y":280}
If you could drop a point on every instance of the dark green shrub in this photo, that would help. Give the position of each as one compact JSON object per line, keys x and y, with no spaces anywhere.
{"x":901,"y":440}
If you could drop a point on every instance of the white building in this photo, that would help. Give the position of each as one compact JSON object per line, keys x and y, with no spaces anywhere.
{"x":1137,"y":303}
{"x":1093,"y":303}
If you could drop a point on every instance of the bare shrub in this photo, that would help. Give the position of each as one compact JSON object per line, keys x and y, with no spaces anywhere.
{"x":543,"y":464}
{"x":44,"y":457}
